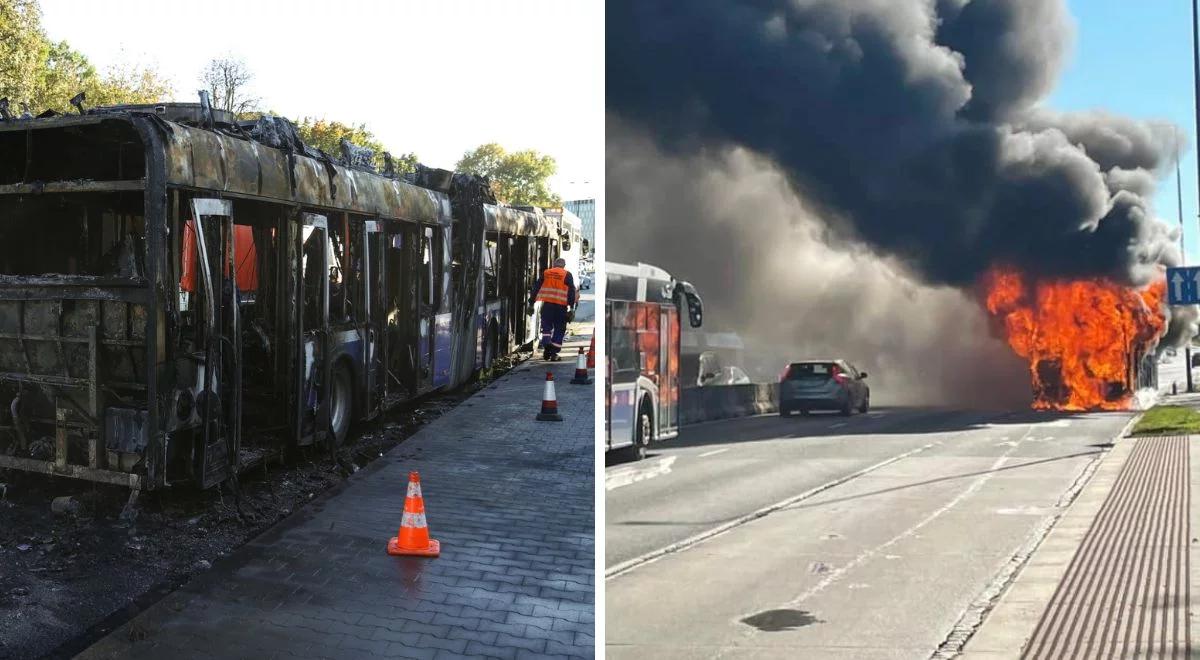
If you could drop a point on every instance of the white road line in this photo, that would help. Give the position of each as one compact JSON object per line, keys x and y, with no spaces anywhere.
{"x":626,"y":476}
{"x":837,"y":426}
{"x":630,"y":564}
{"x":866,"y":555}
{"x":713,"y":452}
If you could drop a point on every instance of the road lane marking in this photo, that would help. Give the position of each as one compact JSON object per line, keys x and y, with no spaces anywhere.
{"x":713,"y":452}
{"x":867,"y":555}
{"x":972,"y":618}
{"x":625,"y":476}
{"x":630,"y":564}
{"x":837,"y":426}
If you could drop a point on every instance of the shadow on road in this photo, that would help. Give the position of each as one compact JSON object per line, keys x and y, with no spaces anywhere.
{"x":896,"y":420}
{"x":882,"y":491}
{"x":615,"y":458}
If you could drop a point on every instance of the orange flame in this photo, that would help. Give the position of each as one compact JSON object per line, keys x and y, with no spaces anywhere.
{"x":1083,"y":338}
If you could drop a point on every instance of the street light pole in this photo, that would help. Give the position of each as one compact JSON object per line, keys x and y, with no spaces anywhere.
{"x":1187,"y":348}
{"x":1196,"y":111}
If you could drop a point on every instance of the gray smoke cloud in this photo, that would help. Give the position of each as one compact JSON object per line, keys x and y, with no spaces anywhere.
{"x":907,"y":131}
{"x":768,"y":267}
{"x":916,"y":122}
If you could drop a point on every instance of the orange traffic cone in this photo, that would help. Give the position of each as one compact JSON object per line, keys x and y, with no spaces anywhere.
{"x":549,"y":402}
{"x":592,"y":354}
{"x":413,"y":538}
{"x":581,"y":370}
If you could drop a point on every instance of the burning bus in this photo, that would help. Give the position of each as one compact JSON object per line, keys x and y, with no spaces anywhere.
{"x":183,"y":294}
{"x":642,"y":345}
{"x":1090,"y":343}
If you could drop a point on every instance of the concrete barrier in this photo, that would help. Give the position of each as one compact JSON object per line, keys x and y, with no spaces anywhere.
{"x":703,"y":404}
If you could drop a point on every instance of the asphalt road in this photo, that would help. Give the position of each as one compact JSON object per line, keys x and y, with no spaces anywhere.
{"x":878,"y":532}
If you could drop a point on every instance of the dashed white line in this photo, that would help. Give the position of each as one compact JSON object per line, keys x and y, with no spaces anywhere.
{"x":837,"y":426}
{"x":713,"y":452}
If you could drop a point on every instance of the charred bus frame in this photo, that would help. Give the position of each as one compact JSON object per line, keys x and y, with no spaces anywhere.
{"x":170,"y":282}
{"x":642,"y":344}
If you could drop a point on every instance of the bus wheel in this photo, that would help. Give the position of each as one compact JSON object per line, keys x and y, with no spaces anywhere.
{"x":341,"y":404}
{"x":642,"y":435}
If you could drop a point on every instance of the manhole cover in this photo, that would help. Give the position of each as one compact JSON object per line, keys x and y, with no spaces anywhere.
{"x":776,"y":620}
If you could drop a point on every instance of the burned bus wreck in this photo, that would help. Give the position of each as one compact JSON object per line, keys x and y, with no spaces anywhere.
{"x":183,"y":295}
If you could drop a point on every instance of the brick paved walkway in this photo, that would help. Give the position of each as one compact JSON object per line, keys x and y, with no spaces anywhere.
{"x":510,"y":499}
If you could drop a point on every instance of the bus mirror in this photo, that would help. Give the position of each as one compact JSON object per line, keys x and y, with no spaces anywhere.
{"x":694,"y":304}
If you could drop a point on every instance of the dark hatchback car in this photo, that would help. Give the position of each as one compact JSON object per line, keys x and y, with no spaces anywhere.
{"x":823,"y":385}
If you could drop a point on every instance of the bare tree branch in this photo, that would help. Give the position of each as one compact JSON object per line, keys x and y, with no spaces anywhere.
{"x":227,"y":79}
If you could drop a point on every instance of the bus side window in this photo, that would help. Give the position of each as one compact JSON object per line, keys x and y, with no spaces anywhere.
{"x":444,"y":268}
{"x":489,"y":269}
{"x":427,"y":267}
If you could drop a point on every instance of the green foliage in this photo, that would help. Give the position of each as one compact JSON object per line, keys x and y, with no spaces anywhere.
{"x":41,"y":74}
{"x":1161,"y":420}
{"x":22,"y":50}
{"x":327,"y":136}
{"x":518,"y":178}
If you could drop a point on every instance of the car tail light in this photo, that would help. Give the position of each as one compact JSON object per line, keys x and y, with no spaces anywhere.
{"x":840,"y":377}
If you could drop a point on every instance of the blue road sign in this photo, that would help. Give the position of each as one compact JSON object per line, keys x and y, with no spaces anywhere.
{"x":1183,"y":286}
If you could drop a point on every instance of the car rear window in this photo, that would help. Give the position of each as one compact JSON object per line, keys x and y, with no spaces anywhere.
{"x":810,"y":370}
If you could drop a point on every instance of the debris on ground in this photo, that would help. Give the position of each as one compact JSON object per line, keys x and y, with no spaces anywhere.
{"x":73,"y":570}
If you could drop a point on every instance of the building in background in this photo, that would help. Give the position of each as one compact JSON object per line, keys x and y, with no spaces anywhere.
{"x":586,"y":210}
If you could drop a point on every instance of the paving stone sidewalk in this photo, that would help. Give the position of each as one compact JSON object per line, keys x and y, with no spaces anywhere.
{"x":511,"y":500}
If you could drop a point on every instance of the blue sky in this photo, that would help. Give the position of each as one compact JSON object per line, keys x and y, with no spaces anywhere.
{"x":1135,"y":58}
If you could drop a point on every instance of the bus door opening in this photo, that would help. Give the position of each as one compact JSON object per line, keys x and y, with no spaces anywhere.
{"x":218,"y":400}
{"x":668,"y":387}
{"x":427,"y":307}
{"x":374,"y":315}
{"x":316,"y":265}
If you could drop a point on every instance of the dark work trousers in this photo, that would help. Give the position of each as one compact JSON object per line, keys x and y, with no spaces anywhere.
{"x":554,"y":327}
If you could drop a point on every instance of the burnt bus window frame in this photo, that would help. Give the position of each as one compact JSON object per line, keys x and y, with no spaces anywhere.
{"x":181,"y":162}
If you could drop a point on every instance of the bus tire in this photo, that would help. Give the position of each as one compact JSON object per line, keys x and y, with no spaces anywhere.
{"x":641,"y":434}
{"x":341,"y":403}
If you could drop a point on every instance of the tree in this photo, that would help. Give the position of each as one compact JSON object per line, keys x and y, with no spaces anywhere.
{"x":518,"y":178}
{"x":327,"y":136}
{"x":21,"y":50}
{"x":40,"y":74}
{"x":227,"y":80}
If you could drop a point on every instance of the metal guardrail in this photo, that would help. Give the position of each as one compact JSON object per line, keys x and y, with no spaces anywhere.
{"x":703,"y":404}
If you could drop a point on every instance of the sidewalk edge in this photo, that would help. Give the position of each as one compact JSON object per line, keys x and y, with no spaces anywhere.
{"x":1010,"y":623}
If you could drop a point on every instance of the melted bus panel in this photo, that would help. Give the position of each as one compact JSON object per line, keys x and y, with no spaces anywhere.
{"x":182,"y":296}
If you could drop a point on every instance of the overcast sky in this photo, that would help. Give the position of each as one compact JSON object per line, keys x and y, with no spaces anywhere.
{"x":437,"y":78}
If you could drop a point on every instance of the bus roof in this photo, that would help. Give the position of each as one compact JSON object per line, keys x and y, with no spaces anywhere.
{"x":233,"y":159}
{"x":640,"y":270}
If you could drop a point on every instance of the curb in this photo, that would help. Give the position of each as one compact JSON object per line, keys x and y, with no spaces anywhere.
{"x":1010,"y":622}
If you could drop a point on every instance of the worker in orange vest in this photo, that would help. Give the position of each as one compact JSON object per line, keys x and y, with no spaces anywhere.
{"x":555,"y":289}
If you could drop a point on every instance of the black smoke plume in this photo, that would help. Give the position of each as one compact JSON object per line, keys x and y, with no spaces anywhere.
{"x":728,"y":220}
{"x":913,"y":126}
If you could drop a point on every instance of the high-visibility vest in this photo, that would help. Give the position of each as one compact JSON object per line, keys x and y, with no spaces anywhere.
{"x":554,"y":286}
